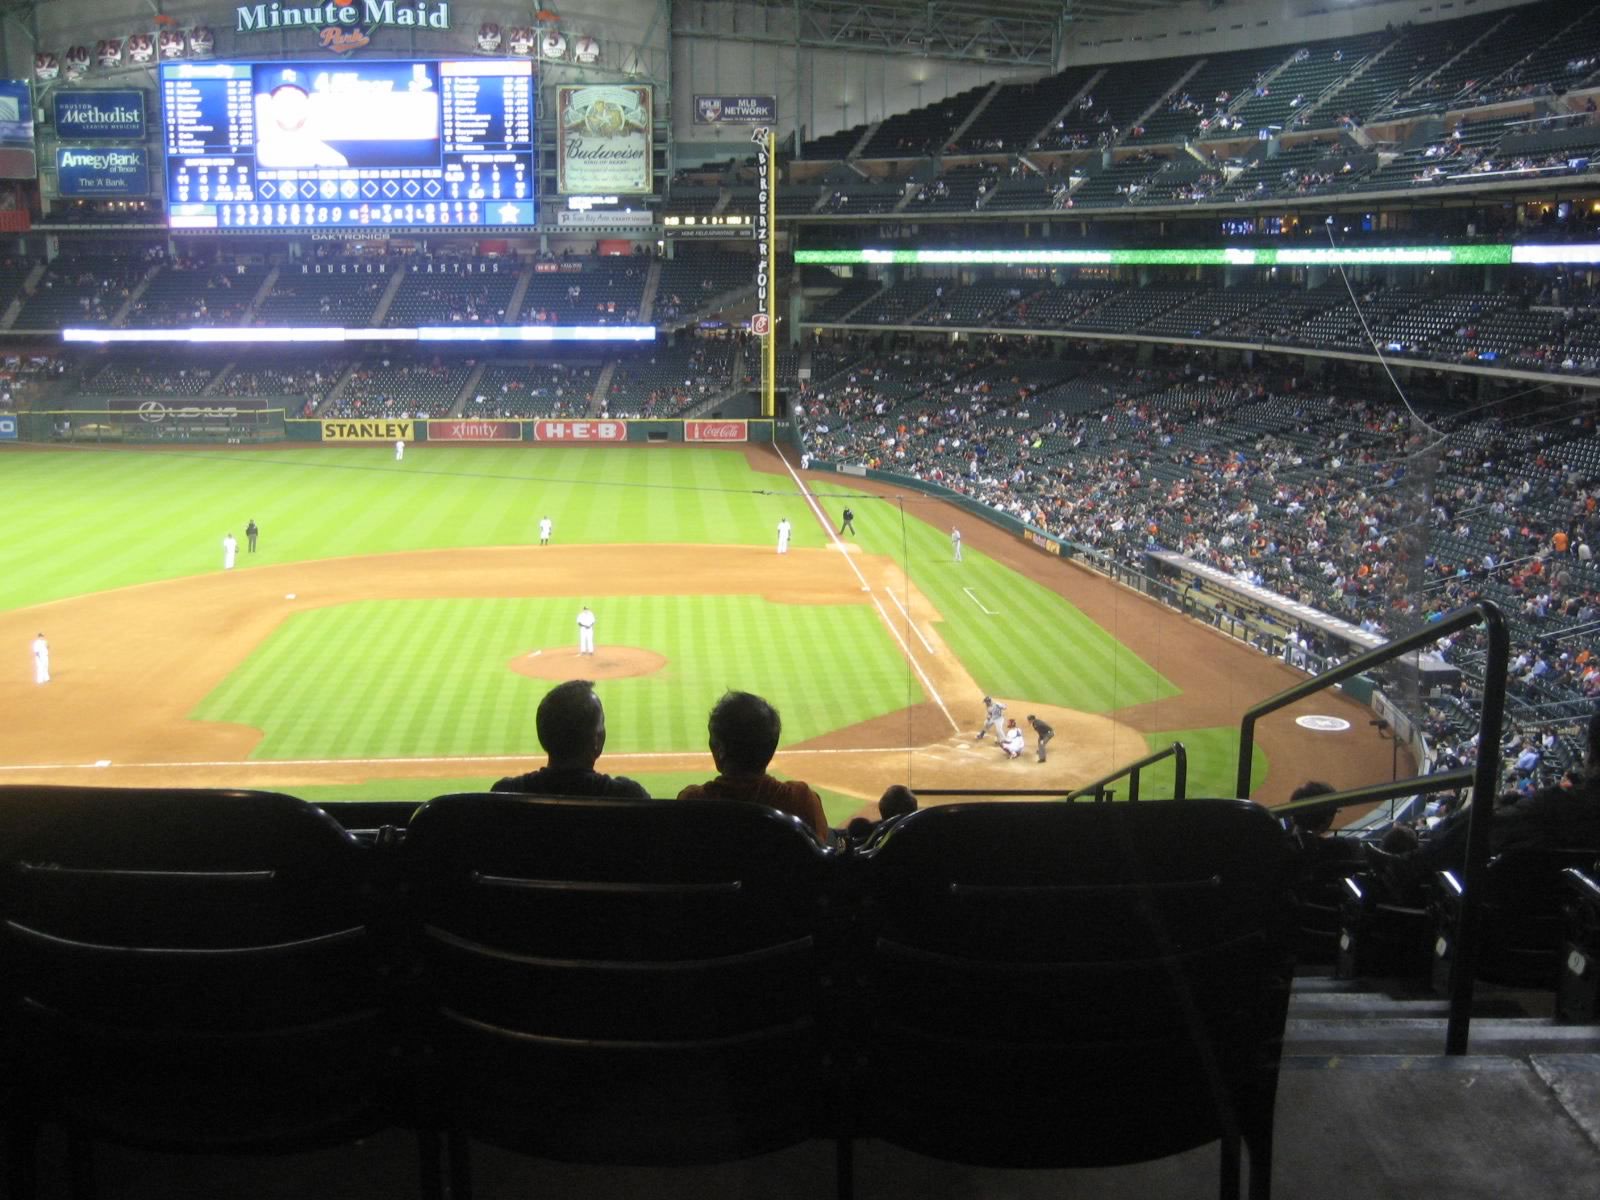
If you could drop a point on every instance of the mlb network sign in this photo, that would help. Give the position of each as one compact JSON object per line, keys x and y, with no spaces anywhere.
{"x":269,"y":18}
{"x":735,"y":110}
{"x":103,"y":172}
{"x":99,"y":114}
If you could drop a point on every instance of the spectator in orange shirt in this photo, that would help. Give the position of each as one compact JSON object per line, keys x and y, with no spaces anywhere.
{"x":744,"y":731}
{"x":1560,"y":541}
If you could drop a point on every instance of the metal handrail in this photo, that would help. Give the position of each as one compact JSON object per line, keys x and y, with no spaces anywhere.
{"x":1485,"y":775}
{"x":1180,"y":775}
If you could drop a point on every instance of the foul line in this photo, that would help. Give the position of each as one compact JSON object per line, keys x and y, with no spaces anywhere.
{"x":973,"y":596}
{"x":272,"y":763}
{"x":910,"y":622}
{"x":866,"y":587}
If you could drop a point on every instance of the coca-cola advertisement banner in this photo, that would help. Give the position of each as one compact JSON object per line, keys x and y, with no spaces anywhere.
{"x":580,"y":431}
{"x":474,"y":431}
{"x":716,"y":431}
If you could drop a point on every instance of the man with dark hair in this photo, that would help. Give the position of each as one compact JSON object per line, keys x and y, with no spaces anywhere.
{"x":572,"y":730}
{"x":744,"y":731}
{"x":1045,"y":732}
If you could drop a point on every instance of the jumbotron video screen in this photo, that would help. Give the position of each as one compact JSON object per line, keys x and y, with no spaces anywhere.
{"x":318,"y":145}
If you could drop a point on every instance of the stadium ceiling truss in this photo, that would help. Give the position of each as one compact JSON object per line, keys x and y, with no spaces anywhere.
{"x":1018,"y":33}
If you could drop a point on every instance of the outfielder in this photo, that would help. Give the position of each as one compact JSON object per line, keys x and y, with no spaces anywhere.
{"x":585,"y":631}
{"x":955,"y":541}
{"x":1044,"y":731}
{"x":230,"y":549}
{"x":544,"y":531}
{"x":994,"y":716}
{"x":399,"y":449}
{"x":41,"y":660}
{"x":783,"y":536}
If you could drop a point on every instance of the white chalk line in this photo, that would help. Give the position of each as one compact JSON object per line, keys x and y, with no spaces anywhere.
{"x":910,"y":622}
{"x":973,"y":596}
{"x":866,"y":587}
{"x":445,"y":760}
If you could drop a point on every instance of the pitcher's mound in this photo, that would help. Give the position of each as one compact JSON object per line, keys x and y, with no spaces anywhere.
{"x":613,"y":662}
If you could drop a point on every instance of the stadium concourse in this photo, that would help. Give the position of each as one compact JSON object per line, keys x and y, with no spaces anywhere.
{"x":1144,"y":366}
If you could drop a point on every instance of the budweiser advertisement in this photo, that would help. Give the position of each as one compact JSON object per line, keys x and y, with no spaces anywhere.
{"x":716,"y":431}
{"x":474,"y":431}
{"x":580,"y":431}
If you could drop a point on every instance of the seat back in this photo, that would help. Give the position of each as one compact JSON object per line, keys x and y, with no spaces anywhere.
{"x":1522,"y":915}
{"x":191,"y":969}
{"x":612,"y":981}
{"x":1074,"y":985}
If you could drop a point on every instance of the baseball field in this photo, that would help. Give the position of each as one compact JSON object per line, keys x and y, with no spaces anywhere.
{"x":392,"y":634}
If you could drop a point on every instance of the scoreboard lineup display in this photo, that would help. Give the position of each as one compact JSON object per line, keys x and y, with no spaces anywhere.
{"x":319,"y":145}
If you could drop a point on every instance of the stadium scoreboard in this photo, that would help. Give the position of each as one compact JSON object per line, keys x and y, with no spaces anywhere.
{"x":271,"y":145}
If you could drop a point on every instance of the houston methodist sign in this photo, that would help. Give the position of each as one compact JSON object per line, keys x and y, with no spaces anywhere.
{"x":418,"y":14}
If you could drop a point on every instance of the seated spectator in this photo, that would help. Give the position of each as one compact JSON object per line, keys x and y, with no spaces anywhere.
{"x":744,"y":731}
{"x":1312,"y":832}
{"x":897,"y":801}
{"x":572,"y":729}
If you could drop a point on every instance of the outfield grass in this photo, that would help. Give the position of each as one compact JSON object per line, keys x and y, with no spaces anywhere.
{"x":84,"y":521}
{"x":418,"y":678}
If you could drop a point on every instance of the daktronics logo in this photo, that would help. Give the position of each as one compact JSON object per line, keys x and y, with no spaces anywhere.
{"x":474,"y":431}
{"x":580,"y":431}
{"x":716,"y":431}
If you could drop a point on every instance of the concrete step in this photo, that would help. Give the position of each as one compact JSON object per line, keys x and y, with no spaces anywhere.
{"x":1425,"y":1036}
{"x":1354,"y":1005}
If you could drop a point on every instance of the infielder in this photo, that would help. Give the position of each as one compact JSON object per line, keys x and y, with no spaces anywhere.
{"x":994,"y":716}
{"x":399,"y":449}
{"x":1012,"y":742}
{"x":1044,"y":731}
{"x":41,"y":660}
{"x":955,"y":541}
{"x":585,"y":631}
{"x":544,"y":531}
{"x":230,"y":550}
{"x":783,"y":536}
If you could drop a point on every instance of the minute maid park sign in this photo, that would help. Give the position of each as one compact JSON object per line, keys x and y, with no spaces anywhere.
{"x":417,"y":14}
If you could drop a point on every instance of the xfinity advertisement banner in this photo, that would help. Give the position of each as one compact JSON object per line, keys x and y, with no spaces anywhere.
{"x":103,"y":171}
{"x":735,"y":110}
{"x":99,"y":114}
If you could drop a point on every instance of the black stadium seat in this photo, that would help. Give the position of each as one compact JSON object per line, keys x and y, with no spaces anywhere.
{"x":619,"y":983}
{"x":1077,"y":985}
{"x":189,"y":971}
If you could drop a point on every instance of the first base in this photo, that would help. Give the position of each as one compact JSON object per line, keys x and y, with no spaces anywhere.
{"x":289,"y":596}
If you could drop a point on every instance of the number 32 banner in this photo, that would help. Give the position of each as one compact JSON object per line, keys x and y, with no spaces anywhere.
{"x":605,"y":139}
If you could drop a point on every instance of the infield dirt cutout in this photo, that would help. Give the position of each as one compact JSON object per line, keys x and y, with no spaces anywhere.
{"x":607,"y":662}
{"x":129,"y":665}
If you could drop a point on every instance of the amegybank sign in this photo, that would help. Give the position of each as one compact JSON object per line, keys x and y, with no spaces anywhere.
{"x":415,"y":14}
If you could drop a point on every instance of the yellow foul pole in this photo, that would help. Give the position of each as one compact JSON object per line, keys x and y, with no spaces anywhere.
{"x":764,"y":324}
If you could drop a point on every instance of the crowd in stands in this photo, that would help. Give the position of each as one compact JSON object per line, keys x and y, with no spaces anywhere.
{"x":394,"y":389}
{"x":1314,"y":491}
{"x":667,"y":381}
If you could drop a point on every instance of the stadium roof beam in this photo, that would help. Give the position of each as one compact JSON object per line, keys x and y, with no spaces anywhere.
{"x":1026,"y":34}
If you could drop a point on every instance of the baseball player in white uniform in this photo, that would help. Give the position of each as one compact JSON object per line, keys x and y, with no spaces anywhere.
{"x":41,"y":660}
{"x":955,"y":541}
{"x":1012,"y":742}
{"x":399,"y":449}
{"x":994,"y":717}
{"x":783,"y":536}
{"x":544,"y":531}
{"x":230,"y":550}
{"x":585,"y":631}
